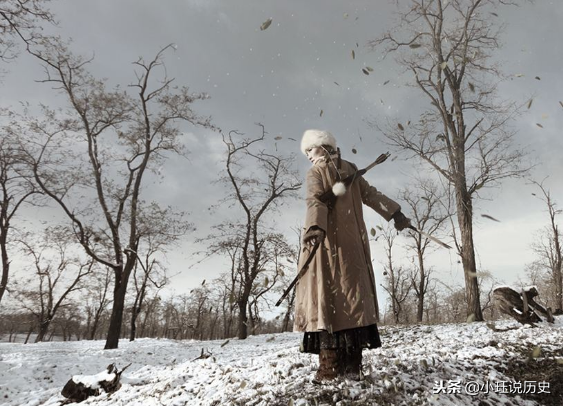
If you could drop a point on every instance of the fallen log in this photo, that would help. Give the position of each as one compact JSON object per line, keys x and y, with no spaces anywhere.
{"x":80,"y":387}
{"x":521,"y":306}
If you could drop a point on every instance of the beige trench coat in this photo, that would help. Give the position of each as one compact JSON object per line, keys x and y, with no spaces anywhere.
{"x":338,"y":290}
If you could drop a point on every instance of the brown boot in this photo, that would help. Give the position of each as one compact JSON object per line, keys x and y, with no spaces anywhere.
{"x":328,"y":366}
{"x":353,"y":364}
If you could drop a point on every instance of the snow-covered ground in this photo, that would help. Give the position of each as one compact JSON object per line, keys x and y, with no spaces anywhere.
{"x":453,"y":364}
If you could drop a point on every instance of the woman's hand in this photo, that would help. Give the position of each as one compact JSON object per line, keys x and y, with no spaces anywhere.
{"x":401,"y":221}
{"x":313,"y":235}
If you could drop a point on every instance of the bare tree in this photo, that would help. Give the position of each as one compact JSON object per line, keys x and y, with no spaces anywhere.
{"x":115,"y":139}
{"x":286,"y":280}
{"x":97,"y":300}
{"x":397,"y":279}
{"x":16,"y":188}
{"x":424,"y":201}
{"x":464,"y":134}
{"x":548,"y":248}
{"x":53,"y":263}
{"x":256,"y":194}
{"x":142,"y":279}
{"x":21,"y":20}
{"x":453,"y":304}
{"x":159,"y":229}
{"x":275,"y":252}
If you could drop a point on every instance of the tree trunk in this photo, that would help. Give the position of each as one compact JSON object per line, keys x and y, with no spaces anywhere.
{"x":96,"y":322}
{"x":465,"y":221}
{"x":43,"y":328}
{"x":29,"y":333}
{"x":212,"y":328}
{"x":5,"y":264}
{"x":242,"y":320}
{"x":134,"y":314}
{"x":559,"y":292}
{"x":287,"y":317}
{"x":137,"y":306}
{"x":116,"y":320}
{"x":420,"y":304}
{"x":251,"y":320}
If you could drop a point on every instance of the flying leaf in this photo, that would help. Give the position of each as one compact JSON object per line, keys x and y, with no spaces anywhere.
{"x":536,"y":352}
{"x":266,"y":24}
{"x":519,"y":75}
{"x":369,"y":68}
{"x":357,"y":45}
{"x":372,"y":231}
{"x":495,"y":14}
{"x":272,"y":338}
{"x":544,"y":116}
{"x":266,"y":281}
{"x":354,"y":151}
{"x":424,"y":363}
{"x":401,"y":127}
{"x":345,"y":15}
{"x":537,"y":78}
{"x":278,"y":138}
{"x":409,"y":122}
{"x":379,"y":228}
{"x":530,"y":103}
{"x":225,"y":343}
{"x":243,"y":384}
{"x":414,"y":46}
{"x":471,"y":318}
{"x":203,"y":283}
{"x":443,"y":65}
{"x":336,"y":83}
{"x":490,"y":217}
{"x":365,"y":71}
{"x":384,"y":83}
{"x":561,"y":103}
{"x":471,"y":87}
{"x":292,"y":139}
{"x":321,"y":113}
{"x":353,"y":54}
{"x":539,"y":125}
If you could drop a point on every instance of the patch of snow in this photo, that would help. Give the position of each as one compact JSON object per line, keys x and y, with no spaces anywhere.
{"x":415,"y":366}
{"x":93,"y":381}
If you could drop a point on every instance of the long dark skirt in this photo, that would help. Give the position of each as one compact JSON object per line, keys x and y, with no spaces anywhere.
{"x":349,"y":340}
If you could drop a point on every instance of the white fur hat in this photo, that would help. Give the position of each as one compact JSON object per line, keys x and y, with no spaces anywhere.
{"x":316,"y":138}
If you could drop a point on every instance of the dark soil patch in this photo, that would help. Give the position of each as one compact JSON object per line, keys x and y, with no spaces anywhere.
{"x":539,"y":370}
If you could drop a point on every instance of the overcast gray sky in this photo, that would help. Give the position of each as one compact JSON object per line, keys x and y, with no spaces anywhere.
{"x":284,"y":76}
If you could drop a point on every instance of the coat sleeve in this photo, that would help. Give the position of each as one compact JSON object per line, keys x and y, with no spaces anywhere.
{"x":317,"y":211}
{"x":373,"y":198}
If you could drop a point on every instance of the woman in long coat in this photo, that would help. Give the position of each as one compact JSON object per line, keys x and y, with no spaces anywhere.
{"x":336,"y":302}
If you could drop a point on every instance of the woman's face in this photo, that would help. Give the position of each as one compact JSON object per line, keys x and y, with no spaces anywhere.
{"x":315,"y":153}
